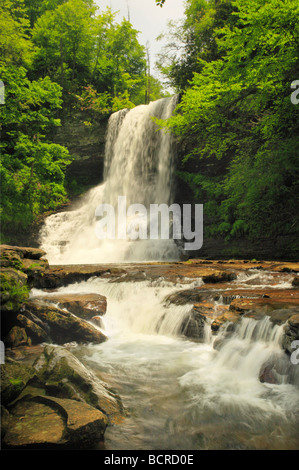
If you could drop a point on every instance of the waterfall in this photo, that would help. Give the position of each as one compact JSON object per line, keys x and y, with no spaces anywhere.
{"x":139,"y":164}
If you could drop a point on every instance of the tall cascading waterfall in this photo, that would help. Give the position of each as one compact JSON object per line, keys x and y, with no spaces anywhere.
{"x":235,"y":389}
{"x":139,"y":164}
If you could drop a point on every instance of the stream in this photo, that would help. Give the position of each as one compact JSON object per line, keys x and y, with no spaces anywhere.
{"x":184,"y":395}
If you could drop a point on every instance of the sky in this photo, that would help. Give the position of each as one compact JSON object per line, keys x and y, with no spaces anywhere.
{"x":148,"y":18}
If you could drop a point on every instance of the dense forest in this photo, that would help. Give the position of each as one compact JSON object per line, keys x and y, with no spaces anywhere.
{"x":58,"y":57}
{"x":233,"y":63}
{"x":236,"y":64}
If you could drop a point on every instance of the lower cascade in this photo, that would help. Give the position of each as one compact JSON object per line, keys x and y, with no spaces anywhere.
{"x":139,"y":165}
{"x":183,"y":385}
{"x":186,"y":394}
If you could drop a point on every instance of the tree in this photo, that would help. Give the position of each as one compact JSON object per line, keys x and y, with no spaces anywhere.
{"x":238,"y":126}
{"x":32,"y":169}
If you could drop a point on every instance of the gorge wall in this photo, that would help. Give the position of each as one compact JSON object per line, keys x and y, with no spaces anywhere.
{"x":84,"y":136}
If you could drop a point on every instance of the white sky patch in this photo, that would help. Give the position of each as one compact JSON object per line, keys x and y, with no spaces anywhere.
{"x":147,"y":18}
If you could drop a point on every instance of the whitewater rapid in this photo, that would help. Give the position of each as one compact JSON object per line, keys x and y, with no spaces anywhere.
{"x":181,"y":394}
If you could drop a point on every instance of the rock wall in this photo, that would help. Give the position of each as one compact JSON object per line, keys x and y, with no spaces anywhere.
{"x":85,"y":139}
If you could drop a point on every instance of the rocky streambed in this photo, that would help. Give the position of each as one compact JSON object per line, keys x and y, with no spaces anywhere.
{"x":50,"y":399}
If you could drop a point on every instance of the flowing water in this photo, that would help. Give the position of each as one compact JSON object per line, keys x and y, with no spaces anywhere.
{"x":178,"y":394}
{"x":139,"y":165}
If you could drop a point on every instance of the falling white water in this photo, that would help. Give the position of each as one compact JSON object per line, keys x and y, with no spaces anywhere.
{"x":189,"y":395}
{"x":139,"y":164}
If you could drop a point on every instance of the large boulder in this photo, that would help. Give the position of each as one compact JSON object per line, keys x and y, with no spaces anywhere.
{"x":22,"y":252}
{"x":291,"y":333}
{"x":14,"y":378}
{"x":49,"y":422}
{"x":55,"y":402}
{"x":193,"y":326}
{"x":85,"y":306}
{"x":65,"y":376}
{"x":63,"y":326}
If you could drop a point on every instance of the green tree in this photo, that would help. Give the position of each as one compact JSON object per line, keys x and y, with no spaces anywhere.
{"x":238,"y":127}
{"x":32,"y":169}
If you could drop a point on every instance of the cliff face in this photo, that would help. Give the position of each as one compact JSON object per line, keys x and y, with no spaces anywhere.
{"x":85,"y":140}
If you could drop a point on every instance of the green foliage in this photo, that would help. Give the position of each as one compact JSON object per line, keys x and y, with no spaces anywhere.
{"x":56,"y":57}
{"x":13,"y":293}
{"x":236,"y":123}
{"x":31,"y":168}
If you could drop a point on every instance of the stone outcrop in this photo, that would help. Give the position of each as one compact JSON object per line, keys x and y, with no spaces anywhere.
{"x":85,"y":306}
{"x":55,"y":403}
{"x":193,"y":326}
{"x":291,"y":333}
{"x":63,"y":326}
{"x":52,"y":423}
{"x":63,"y":374}
{"x":30,"y":322}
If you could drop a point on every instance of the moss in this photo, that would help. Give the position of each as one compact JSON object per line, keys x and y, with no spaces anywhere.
{"x":12,"y":289}
{"x":11,"y":259}
{"x":14,"y":378}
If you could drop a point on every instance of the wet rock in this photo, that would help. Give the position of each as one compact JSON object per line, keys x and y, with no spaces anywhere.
{"x":63,"y":326}
{"x":43,"y":422}
{"x":278,"y":305}
{"x":229,"y":317}
{"x":34,"y":331}
{"x":193,"y":326}
{"x":97,"y":320}
{"x":64,"y":374}
{"x":84,"y":306}
{"x":219,"y":276}
{"x":55,"y":277}
{"x":291,"y":333}
{"x":186,"y":296}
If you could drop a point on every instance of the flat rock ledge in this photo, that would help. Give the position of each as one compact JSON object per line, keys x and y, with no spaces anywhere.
{"x":56,"y":403}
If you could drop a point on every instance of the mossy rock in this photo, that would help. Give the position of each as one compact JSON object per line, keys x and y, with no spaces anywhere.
{"x":17,"y":336}
{"x":11,"y":259}
{"x":13,"y":288}
{"x":66,"y":377}
{"x":14,"y":378}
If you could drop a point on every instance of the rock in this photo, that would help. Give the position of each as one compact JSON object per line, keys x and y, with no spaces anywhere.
{"x":186,"y":296}
{"x":291,"y":333}
{"x":219,"y":276}
{"x":14,"y":377}
{"x":34,"y":425}
{"x":13,"y":288}
{"x":267,"y":374}
{"x":55,"y":277}
{"x":279,"y":306}
{"x":42,"y":422}
{"x":35,"y":332}
{"x":193,"y":326}
{"x":23,"y":252}
{"x":84,"y":306}
{"x":17,"y":337}
{"x":65,"y":376}
{"x":295,"y":281}
{"x":63,"y":326}
{"x":11,"y":274}
{"x":97,"y":320}
{"x":11,"y":259}
{"x":228,"y":317}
